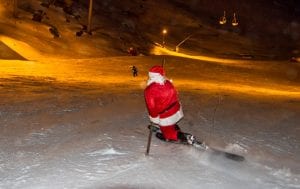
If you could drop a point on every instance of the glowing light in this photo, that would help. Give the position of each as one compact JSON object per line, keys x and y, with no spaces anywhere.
{"x":223,"y":19}
{"x":234,"y":21}
{"x":164,"y":32}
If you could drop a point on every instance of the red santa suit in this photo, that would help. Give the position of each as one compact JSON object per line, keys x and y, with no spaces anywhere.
{"x":162,"y":103}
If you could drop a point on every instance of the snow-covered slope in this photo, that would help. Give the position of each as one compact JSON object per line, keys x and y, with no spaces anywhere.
{"x":72,"y":116}
{"x":82,"y":124}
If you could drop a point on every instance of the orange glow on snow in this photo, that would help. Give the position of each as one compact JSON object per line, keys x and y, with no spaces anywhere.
{"x":262,"y":90}
{"x":73,"y":71}
{"x":164,"y":51}
{"x":244,"y":89}
{"x":21,"y":48}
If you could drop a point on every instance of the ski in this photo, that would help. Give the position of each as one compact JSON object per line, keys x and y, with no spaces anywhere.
{"x":199,"y":145}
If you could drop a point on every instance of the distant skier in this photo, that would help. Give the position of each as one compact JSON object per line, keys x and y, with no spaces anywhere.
{"x":134,"y":71}
{"x":164,"y":107}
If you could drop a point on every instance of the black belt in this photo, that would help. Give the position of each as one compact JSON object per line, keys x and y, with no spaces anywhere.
{"x":169,"y":107}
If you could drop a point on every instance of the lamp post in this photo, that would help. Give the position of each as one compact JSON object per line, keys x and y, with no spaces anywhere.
{"x":164,"y":32}
{"x":90,"y":17}
{"x":15,"y":7}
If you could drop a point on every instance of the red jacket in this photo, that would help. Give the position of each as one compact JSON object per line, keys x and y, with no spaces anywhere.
{"x":163,"y":103}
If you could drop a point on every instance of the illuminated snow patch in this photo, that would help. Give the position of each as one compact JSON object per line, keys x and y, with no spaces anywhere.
{"x":109,"y":151}
{"x":143,"y":84}
{"x":236,"y":148}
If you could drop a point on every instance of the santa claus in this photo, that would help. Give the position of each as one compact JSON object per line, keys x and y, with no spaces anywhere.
{"x":163,"y":106}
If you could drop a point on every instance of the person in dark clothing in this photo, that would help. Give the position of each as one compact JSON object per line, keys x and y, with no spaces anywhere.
{"x":134,"y":71}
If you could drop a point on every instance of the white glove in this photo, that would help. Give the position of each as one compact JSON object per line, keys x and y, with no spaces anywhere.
{"x":154,"y":119}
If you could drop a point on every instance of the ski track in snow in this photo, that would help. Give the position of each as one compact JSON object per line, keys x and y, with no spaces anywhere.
{"x":112,"y":165}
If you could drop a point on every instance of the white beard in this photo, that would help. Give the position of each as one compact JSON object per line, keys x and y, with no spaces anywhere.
{"x":155,"y":78}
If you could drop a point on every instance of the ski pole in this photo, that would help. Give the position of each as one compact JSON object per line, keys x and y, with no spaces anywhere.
{"x":213,"y":119}
{"x":163,"y":62}
{"x":149,"y":141}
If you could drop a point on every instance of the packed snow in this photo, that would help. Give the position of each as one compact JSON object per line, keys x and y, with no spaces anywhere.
{"x":83,"y":124}
{"x":71,"y":118}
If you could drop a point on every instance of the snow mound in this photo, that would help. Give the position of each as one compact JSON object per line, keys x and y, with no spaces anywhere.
{"x":236,"y":148}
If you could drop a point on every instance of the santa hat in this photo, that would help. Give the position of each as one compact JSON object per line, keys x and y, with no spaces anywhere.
{"x":157,"y":70}
{"x":156,"y":75}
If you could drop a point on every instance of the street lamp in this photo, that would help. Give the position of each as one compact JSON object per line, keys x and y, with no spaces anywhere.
{"x":164,"y":32}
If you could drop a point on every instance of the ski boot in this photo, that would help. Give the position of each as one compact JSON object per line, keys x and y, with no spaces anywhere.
{"x":186,"y":138}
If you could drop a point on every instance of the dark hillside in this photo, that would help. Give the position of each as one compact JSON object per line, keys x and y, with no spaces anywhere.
{"x":268,"y":29}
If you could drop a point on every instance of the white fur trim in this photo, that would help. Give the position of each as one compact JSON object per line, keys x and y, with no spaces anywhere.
{"x":154,"y":119}
{"x":172,"y":119}
{"x":155,"y":78}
